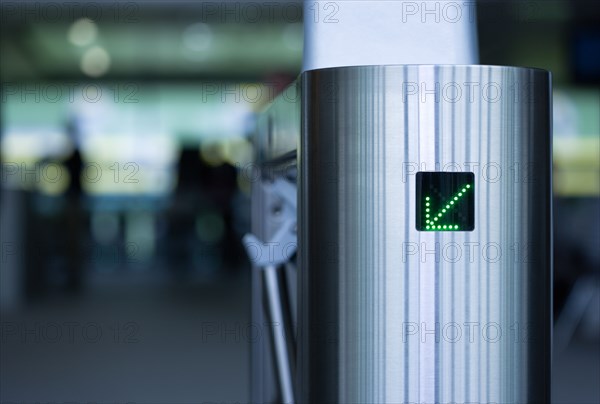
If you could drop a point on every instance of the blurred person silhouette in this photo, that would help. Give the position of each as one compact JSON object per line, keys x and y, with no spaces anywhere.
{"x":202,"y":216}
{"x":74,"y":219}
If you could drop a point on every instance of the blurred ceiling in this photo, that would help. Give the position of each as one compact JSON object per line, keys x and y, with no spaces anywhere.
{"x":151,"y":40}
{"x":243,"y":40}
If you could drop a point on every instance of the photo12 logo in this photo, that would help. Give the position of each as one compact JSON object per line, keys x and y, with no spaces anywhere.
{"x":52,"y":172}
{"x":467,"y":332}
{"x":438,"y":11}
{"x":471,"y":92}
{"x":490,"y":172}
{"x":250,"y":12}
{"x":69,"y":332}
{"x":468,"y":252}
{"x":249,"y":93}
{"x":69,"y":92}
{"x":69,"y":11}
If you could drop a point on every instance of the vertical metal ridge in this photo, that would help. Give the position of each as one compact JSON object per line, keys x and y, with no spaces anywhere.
{"x":383,"y":245}
{"x":439,"y":144}
{"x":407,"y":232}
{"x":467,"y":365}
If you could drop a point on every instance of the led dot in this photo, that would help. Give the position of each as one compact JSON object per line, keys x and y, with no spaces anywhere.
{"x":460,"y":194}
{"x":447,"y":206}
{"x":444,"y":226}
{"x":451,"y":202}
{"x":443,"y":210}
{"x":439,"y":214}
{"x":427,"y":204}
{"x":435,"y":219}
{"x":464,"y":190}
{"x":455,"y":198}
{"x":426,"y":215}
{"x":427,"y":210}
{"x":468,"y":186}
{"x":439,"y":227}
{"x":426,"y":198}
{"x":427,"y":227}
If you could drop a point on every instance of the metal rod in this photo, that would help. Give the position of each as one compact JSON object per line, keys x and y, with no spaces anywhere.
{"x":284,"y":370}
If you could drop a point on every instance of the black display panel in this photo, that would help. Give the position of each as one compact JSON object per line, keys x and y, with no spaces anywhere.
{"x":445,"y":201}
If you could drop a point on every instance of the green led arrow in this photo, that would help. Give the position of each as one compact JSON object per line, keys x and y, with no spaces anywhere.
{"x":435,"y":222}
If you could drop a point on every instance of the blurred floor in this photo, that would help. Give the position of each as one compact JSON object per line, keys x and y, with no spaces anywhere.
{"x":158,"y":345}
{"x":576,"y":374}
{"x":169,"y":344}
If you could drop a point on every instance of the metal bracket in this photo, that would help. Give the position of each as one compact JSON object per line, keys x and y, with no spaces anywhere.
{"x":284,"y":242}
{"x":268,"y":257}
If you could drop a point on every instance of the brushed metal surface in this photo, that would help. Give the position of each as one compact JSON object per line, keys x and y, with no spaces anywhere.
{"x":391,"y":314}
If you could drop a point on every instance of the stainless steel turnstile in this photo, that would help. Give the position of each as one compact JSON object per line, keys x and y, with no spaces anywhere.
{"x":423,"y":269}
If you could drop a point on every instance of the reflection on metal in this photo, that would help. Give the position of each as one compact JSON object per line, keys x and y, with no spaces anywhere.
{"x":387,"y":313}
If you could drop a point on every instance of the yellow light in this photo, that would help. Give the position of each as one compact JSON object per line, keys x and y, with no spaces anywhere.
{"x":83,"y":32}
{"x":95,"y":62}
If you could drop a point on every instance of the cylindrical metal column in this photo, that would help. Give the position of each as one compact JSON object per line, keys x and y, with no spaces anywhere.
{"x":389,"y":313}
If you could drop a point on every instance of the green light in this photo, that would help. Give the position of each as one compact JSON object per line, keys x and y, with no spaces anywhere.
{"x":431,"y":223}
{"x":445,"y":209}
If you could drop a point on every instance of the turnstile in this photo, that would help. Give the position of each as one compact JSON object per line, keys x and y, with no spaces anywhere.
{"x":423,"y":267}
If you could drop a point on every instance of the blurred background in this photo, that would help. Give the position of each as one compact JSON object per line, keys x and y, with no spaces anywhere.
{"x":126,"y":152}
